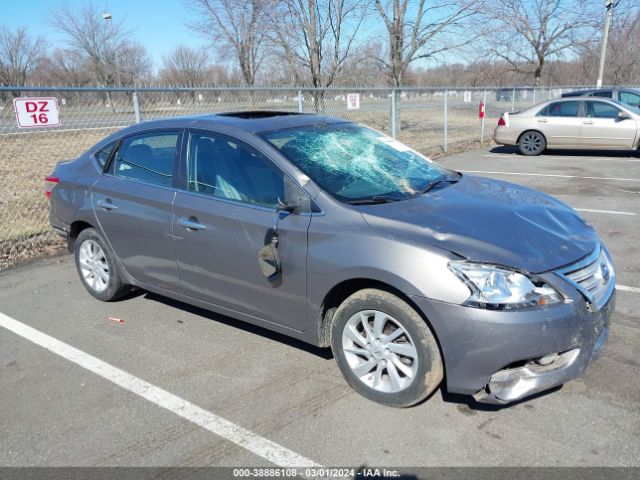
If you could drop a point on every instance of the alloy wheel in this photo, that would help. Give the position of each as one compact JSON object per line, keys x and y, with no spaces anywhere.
{"x":380,"y":351}
{"x":531,"y":142}
{"x":94,"y":265}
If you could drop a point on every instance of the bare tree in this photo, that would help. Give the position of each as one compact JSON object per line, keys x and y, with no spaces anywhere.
{"x":622,"y":62}
{"x":64,"y":67}
{"x":417,"y":31}
{"x":235,"y":28}
{"x":185,"y":66}
{"x":19,"y":55}
{"x":315,"y":37}
{"x":529,"y":33}
{"x":104,"y":45}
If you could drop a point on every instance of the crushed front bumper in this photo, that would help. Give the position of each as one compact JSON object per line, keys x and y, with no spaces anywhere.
{"x":496,"y":356}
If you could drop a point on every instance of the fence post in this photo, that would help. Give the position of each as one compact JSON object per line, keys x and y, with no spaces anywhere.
{"x":534,"y":95}
{"x":136,"y":106}
{"x":446,"y":121}
{"x":393,"y":113}
{"x":484,"y":102}
{"x":300,"y":106}
{"x":513,"y":99}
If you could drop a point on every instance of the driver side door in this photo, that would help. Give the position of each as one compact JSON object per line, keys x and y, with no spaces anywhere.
{"x":224,"y":214}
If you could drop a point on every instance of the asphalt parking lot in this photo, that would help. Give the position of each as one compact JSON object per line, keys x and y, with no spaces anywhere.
{"x":287,"y":401}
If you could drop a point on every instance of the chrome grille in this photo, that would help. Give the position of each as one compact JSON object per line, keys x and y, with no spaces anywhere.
{"x":593,"y":276}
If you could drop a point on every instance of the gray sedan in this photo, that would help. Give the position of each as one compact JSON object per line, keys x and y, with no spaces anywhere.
{"x":571,"y":123}
{"x":335,"y":234}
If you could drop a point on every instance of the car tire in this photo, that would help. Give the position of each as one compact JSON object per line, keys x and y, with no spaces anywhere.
{"x":97,"y":267}
{"x":532,"y":143}
{"x":385,"y":371}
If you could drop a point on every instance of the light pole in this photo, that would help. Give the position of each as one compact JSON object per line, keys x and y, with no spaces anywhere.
{"x":107,"y":17}
{"x":609,"y":5}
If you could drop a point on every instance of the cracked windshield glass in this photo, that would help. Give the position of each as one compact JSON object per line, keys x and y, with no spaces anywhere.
{"x":356,"y":164}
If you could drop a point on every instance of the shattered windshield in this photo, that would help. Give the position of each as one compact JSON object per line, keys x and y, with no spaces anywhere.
{"x":354,"y":163}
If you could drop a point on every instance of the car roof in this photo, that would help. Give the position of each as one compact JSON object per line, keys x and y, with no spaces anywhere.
{"x":580,"y":93}
{"x":250,"y":121}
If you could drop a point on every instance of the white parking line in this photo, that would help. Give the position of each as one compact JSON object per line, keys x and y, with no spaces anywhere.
{"x":553,"y":175}
{"x":246,"y":439}
{"x":624,"y":288}
{"x":611,"y":212}
{"x":568,"y":157}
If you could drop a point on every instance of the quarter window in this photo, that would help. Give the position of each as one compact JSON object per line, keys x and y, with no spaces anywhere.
{"x":601,"y":110}
{"x":148,"y":158}
{"x":227,"y":168}
{"x":102,"y":155}
{"x":560,"y":109}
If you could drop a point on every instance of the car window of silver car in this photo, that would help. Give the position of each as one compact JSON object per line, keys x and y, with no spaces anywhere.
{"x":601,"y":110}
{"x":560,"y":109}
{"x":227,"y":168}
{"x":148,"y":158}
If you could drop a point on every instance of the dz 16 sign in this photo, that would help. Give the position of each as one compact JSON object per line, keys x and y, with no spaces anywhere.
{"x":37,"y":112}
{"x":353,"y":101}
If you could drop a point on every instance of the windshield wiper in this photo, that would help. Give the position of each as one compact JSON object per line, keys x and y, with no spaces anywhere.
{"x":373,"y":200}
{"x":434,"y":183}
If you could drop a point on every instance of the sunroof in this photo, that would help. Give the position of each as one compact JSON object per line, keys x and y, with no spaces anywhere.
{"x":256,"y":114}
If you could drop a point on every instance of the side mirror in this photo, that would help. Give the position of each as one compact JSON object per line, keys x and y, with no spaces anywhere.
{"x":623,"y":116}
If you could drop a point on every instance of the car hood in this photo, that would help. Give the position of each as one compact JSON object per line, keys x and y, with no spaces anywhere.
{"x":490,"y":221}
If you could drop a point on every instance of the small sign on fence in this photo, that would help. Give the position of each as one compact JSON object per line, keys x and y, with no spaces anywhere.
{"x":467,"y":96}
{"x":353,"y":101}
{"x":37,"y":112}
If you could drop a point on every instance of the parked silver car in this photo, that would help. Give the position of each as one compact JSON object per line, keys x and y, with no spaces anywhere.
{"x":571,"y":123}
{"x":340,"y":236}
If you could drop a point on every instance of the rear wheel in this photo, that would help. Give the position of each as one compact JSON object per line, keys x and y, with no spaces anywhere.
{"x":385,"y":350}
{"x":532,"y":143}
{"x":97,"y":267}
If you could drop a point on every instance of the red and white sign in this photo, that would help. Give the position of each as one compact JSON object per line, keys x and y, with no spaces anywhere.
{"x":481,"y":110}
{"x":353,"y":101}
{"x":37,"y":112}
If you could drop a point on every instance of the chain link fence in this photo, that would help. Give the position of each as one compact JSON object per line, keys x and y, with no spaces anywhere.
{"x":428,"y":120}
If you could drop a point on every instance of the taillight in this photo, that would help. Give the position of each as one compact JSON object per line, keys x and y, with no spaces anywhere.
{"x":502,"y":122}
{"x":49,"y":184}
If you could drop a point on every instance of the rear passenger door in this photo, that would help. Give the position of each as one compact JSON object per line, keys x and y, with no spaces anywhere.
{"x":560,"y":124}
{"x":133,"y":202}
{"x":224,"y":214}
{"x":602,"y":128}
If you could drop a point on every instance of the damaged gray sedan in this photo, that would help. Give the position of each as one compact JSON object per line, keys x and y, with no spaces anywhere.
{"x":337,"y":235}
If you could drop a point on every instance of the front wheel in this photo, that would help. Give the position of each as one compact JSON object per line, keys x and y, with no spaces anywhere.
{"x":385,"y":350}
{"x":532,"y":143}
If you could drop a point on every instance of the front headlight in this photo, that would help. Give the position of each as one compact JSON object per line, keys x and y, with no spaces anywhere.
{"x":500,"y":288}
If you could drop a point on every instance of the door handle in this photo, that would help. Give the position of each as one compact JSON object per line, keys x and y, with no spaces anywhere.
{"x":191,"y":223}
{"x":106,"y":204}
{"x":587,"y":122}
{"x":542,"y":120}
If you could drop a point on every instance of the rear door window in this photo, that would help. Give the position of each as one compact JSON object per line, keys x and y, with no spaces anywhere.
{"x":560,"y":109}
{"x":147,"y":158}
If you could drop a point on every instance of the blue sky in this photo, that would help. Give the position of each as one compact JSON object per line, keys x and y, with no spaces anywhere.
{"x":157,"y":24}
